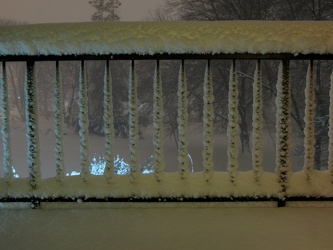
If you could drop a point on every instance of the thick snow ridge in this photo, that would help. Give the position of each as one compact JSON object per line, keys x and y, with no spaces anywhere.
{"x":147,"y":38}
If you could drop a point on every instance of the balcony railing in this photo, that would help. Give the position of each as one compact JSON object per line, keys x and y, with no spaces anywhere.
{"x":140,"y":41}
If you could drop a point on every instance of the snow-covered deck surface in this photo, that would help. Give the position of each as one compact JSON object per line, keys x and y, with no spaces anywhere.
{"x":168,"y":37}
{"x":172,"y":186}
{"x":186,"y":227}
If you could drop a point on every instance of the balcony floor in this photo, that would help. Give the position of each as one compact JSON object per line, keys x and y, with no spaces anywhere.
{"x":167,"y":226}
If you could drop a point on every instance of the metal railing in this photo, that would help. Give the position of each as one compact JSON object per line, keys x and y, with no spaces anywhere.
{"x":209,"y":185}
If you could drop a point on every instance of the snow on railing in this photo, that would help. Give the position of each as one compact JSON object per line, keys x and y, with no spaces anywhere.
{"x":83,"y":123}
{"x":233,"y":127}
{"x":58,"y":129}
{"x":32,"y":125}
{"x":158,"y":115}
{"x":5,"y":128}
{"x":210,"y":182}
{"x":108,"y":124}
{"x":283,"y":127}
{"x":257,"y":125}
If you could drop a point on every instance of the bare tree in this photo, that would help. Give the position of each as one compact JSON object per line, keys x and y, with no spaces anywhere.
{"x":106,"y":10}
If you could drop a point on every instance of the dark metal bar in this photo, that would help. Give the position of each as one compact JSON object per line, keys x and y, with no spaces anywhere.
{"x":166,"y":56}
{"x":32,"y":133}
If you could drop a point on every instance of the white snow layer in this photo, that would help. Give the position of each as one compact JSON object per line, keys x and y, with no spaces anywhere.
{"x":182,"y":227}
{"x":168,"y":37}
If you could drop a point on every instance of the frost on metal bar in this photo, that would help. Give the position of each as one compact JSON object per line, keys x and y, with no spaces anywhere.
{"x":330,"y":132}
{"x":283,"y":127}
{"x":108,"y":124}
{"x":5,"y":127}
{"x":208,"y":124}
{"x":233,"y":126}
{"x":59,"y":121}
{"x":133,"y":124}
{"x":182,"y":120}
{"x":257,"y":125}
{"x":83,"y":123}
{"x":158,"y":115}
{"x":31,"y":112}
{"x":309,"y":129}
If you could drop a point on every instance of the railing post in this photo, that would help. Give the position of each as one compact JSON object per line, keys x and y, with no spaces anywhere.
{"x":182,"y":123}
{"x":330,"y":132}
{"x":257,"y":125}
{"x":32,"y":125}
{"x":133,"y":124}
{"x":5,"y":129}
{"x":158,"y":112}
{"x":233,"y":126}
{"x":84,"y":123}
{"x":283,"y":128}
{"x":108,"y":124}
{"x":309,"y":129}
{"x":58,"y":129}
{"x":208,"y":124}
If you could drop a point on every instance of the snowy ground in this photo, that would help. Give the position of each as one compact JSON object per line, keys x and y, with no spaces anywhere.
{"x":72,"y":153}
{"x":207,"y":226}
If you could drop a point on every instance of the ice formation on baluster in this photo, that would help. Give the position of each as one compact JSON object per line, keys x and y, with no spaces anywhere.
{"x":32,"y":125}
{"x":283,"y":127}
{"x":133,"y":124}
{"x":158,"y":115}
{"x":309,"y":129}
{"x":208,"y":124}
{"x":108,"y":124}
{"x":84,"y":124}
{"x":5,"y":128}
{"x":257,"y":125}
{"x":58,"y":129}
{"x":330,"y":132}
{"x":233,"y":126}
{"x":182,"y":120}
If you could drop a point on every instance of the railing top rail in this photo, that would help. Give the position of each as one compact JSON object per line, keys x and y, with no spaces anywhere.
{"x":165,"y":56}
{"x":174,"y":38}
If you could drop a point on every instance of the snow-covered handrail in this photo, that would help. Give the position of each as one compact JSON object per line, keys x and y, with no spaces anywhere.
{"x":157,"y":41}
{"x":149,"y":38}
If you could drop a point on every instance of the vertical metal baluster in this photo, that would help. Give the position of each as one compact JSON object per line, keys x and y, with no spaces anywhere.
{"x":309,"y":129}
{"x":59,"y":121}
{"x":283,"y":128}
{"x":133,"y":125}
{"x":257,"y":125}
{"x":5,"y":129}
{"x":208,"y":124}
{"x":108,"y":124}
{"x":233,"y":126}
{"x":84,"y":123}
{"x":183,"y":158}
{"x":158,"y":112}
{"x":32,"y":125}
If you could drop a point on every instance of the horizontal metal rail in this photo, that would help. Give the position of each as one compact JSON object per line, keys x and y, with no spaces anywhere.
{"x":36,"y":201}
{"x":166,"y":56}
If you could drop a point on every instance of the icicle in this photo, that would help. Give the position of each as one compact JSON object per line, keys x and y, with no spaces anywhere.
{"x":283,"y":127}
{"x":208,"y":125}
{"x":159,"y":163}
{"x":58,"y":130}
{"x":182,"y":124}
{"x":330,"y":132}
{"x":84,"y":124}
{"x":108,"y":124}
{"x":309,"y":130}
{"x":233,"y":126}
{"x":5,"y":129}
{"x":133,"y":124}
{"x":257,"y":125}
{"x":31,"y":106}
